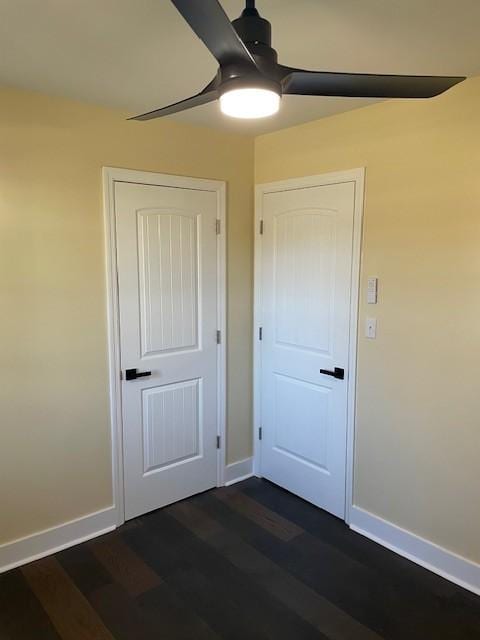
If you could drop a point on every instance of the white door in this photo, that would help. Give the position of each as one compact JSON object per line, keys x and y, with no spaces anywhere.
{"x":306,"y":287}
{"x":167,"y":283}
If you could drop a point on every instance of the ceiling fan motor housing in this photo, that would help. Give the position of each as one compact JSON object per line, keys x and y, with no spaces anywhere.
{"x":252,"y":28}
{"x":256,"y":33}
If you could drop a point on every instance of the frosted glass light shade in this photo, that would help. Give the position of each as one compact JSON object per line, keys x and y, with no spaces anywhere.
{"x":250,"y":103}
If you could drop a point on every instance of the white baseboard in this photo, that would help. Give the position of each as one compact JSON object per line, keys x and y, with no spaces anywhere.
{"x":38,"y":545}
{"x":447,"y":564}
{"x":238,"y":471}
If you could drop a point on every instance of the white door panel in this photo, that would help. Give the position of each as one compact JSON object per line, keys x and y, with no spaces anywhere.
{"x":167,"y":279}
{"x":306,"y":285}
{"x":168,"y":293}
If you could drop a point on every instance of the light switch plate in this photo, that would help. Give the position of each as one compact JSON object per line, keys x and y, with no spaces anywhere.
{"x":371,"y":328}
{"x":372,"y":289}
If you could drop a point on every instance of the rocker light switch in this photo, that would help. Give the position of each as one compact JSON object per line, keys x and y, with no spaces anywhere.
{"x":371,"y":328}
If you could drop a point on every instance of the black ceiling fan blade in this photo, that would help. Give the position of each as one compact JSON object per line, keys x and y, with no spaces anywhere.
{"x":363,"y":85}
{"x":209,"y":94}
{"x":211,"y":24}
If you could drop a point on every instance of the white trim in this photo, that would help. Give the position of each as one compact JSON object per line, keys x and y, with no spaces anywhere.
{"x":358,"y":177}
{"x":257,"y":323}
{"x":222,"y":325}
{"x":447,"y":564}
{"x":110,"y":176}
{"x":113,"y":336}
{"x":44,"y":543}
{"x":353,"y":338}
{"x":238,"y":471}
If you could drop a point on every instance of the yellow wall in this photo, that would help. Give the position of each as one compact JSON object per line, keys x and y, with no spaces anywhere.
{"x":54,"y":420}
{"x":418,"y":424}
{"x":418,"y":415}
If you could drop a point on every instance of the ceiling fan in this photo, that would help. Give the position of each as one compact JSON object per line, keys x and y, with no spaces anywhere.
{"x":250,"y":82}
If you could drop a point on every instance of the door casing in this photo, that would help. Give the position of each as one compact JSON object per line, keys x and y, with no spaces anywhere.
{"x":110,"y":176}
{"x":358,"y":177}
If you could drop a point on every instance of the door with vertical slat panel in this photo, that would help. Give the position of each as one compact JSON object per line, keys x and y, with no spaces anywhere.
{"x":167,"y":279}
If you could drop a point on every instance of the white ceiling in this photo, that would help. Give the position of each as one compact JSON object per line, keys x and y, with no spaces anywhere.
{"x":137,"y":55}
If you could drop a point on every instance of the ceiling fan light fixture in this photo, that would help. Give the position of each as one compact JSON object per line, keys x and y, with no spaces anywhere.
{"x":250,"y":82}
{"x":250,"y":102}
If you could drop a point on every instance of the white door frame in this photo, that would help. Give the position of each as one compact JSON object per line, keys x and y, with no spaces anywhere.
{"x":110,"y":176}
{"x":358,"y":177}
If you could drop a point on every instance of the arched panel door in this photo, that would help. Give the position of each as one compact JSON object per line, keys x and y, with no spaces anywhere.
{"x":306,"y":288}
{"x":167,"y":280}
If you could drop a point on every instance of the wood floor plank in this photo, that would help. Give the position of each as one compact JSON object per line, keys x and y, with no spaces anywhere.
{"x":124,"y":565}
{"x":395,"y":596}
{"x":173,"y":616}
{"x":154,"y":614}
{"x":273,"y":522}
{"x":227,"y":598}
{"x":250,"y":562}
{"x":330,"y":621}
{"x":378,"y":602}
{"x":22,"y":617}
{"x":203,"y":596}
{"x":218,"y":606}
{"x":127,"y":615}
{"x":333,"y":531}
{"x":120,"y":613}
{"x":83,"y":568}
{"x":71,"y":614}
{"x":371,"y":602}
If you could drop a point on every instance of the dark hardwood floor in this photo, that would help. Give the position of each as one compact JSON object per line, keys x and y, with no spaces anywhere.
{"x":246,"y":562}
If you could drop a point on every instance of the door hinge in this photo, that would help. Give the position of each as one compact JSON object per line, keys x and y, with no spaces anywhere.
{"x":261,"y":227}
{"x":260,"y":433}
{"x":218,"y":442}
{"x":260,"y":333}
{"x":218,"y":226}
{"x":219,"y":336}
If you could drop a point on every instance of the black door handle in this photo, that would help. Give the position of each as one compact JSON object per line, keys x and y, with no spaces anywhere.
{"x":336,"y":373}
{"x":133,"y":374}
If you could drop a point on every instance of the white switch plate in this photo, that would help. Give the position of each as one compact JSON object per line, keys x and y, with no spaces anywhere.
{"x":372,"y":289}
{"x":371,"y":328}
